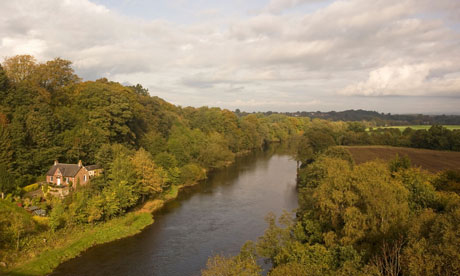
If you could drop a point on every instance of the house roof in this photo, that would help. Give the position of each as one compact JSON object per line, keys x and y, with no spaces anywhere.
{"x":93,"y":167}
{"x":66,"y":169}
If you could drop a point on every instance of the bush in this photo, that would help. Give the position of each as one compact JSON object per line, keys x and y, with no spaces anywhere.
{"x":31,"y":188}
{"x":192,"y":173}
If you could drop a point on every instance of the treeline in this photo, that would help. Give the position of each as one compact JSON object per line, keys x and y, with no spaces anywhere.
{"x":371,"y":219}
{"x":48,"y":113}
{"x":375,"y":118}
{"x":147,"y":147}
{"x":437,"y":137}
{"x":327,"y":133}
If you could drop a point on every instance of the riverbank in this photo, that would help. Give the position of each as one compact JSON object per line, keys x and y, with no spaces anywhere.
{"x":72,"y":242}
{"x":216,"y":216}
{"x":66,"y":244}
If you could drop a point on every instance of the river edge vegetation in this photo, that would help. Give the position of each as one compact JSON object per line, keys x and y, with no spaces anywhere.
{"x":148,"y":148}
{"x":375,"y":218}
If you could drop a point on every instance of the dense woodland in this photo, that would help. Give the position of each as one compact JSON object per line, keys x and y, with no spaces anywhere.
{"x":371,"y":219}
{"x":150,"y":148}
{"x":147,"y":147}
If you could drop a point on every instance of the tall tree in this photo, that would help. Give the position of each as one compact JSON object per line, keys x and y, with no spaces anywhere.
{"x":20,"y":67}
{"x":149,"y":177}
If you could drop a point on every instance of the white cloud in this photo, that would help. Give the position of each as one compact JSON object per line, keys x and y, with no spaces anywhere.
{"x":407,"y":80}
{"x":354,"y":47}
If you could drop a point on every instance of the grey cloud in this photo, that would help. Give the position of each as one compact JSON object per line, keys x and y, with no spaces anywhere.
{"x":346,"y":49}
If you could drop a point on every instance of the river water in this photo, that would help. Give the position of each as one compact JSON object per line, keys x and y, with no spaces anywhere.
{"x":216,"y":216}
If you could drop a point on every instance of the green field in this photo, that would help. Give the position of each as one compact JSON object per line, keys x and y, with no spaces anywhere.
{"x":417,"y":127}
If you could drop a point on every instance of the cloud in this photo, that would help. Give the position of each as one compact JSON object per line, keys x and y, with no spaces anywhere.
{"x":339,"y":51}
{"x":408,"y":80}
{"x":277,"y":6}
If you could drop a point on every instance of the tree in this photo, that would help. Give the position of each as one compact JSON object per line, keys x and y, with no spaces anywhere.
{"x":95,"y":208}
{"x":231,"y":266}
{"x":6,"y":180}
{"x":4,"y":84}
{"x":399,"y":163}
{"x":57,"y":215}
{"x":313,"y":142}
{"x":192,"y":173}
{"x":139,"y":89}
{"x":121,"y":192}
{"x":149,"y":177}
{"x":6,"y":153}
{"x":55,"y":74}
{"x":20,"y":67}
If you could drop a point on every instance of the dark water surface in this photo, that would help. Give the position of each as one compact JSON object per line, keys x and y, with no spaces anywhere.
{"x":217,"y":216}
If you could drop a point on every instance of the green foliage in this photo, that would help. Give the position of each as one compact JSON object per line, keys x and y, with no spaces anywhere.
{"x":313,"y":142}
{"x":15,"y":224}
{"x":31,"y":187}
{"x":448,"y":181}
{"x":4,"y":83}
{"x":57,"y":216}
{"x":368,"y":219}
{"x":6,"y":180}
{"x":232,"y":266}
{"x":165,"y":160}
{"x":192,"y":173}
{"x":340,"y":153}
{"x":147,"y":147}
{"x":150,"y":178}
{"x":399,"y":163}
{"x":79,"y":239}
{"x":6,"y":154}
{"x":153,"y":142}
{"x":436,"y":137}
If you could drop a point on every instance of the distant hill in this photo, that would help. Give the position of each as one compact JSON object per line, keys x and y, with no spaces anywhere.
{"x":380,"y":119}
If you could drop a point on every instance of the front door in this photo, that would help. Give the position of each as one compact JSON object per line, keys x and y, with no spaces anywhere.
{"x":59,"y":181}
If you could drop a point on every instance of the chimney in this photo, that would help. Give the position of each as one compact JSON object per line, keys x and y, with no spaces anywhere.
{"x":56,"y":162}
{"x":79,"y":163}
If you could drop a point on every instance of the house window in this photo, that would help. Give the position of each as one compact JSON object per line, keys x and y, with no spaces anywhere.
{"x":67,"y":180}
{"x":84,"y":178}
{"x":51,"y":179}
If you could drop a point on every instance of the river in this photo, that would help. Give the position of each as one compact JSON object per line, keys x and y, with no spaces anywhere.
{"x":216,"y":216}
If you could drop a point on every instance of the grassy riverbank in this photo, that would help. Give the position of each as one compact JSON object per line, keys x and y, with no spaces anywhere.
{"x":69,"y":243}
{"x":79,"y":239}
{"x":41,"y":258}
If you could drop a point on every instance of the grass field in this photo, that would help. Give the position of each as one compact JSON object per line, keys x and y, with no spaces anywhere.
{"x":431,"y":160}
{"x":417,"y":127}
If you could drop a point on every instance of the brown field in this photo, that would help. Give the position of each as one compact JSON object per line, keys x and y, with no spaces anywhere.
{"x":431,"y":160}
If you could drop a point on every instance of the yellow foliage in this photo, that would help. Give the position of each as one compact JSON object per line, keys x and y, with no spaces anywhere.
{"x":30,"y":188}
{"x":41,"y":220}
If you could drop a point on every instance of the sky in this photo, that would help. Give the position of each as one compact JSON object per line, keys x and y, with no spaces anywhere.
{"x":397,"y":56}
